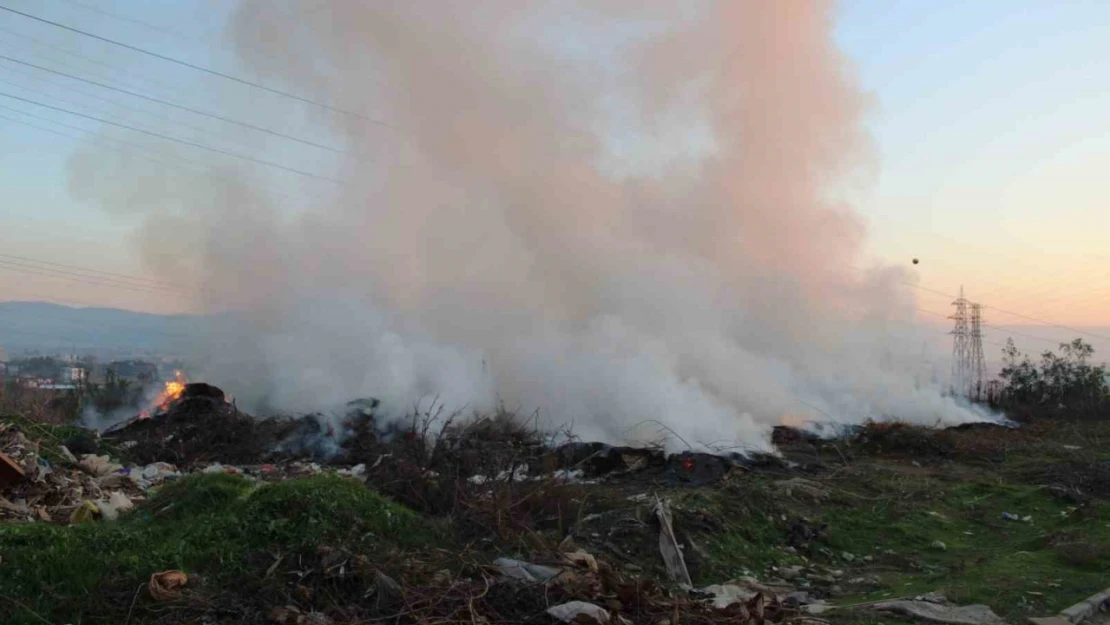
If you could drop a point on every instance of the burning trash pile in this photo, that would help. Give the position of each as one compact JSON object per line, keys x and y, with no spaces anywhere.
{"x":189,"y":422}
{"x":193,"y":425}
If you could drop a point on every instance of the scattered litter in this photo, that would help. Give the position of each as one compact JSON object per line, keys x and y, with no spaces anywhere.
{"x":525,"y":571}
{"x":84,"y":512}
{"x":357,"y":471}
{"x":939,"y":545}
{"x":292,"y":615}
{"x":582,"y":559}
{"x":669,"y":547}
{"x":117,"y":502}
{"x":98,"y":466}
{"x":167,"y":585}
{"x":570,"y":612}
{"x":724,"y":595}
{"x":158,"y":472}
{"x":67,"y":455}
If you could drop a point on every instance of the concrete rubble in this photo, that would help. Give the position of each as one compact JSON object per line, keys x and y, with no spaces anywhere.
{"x":934,"y":608}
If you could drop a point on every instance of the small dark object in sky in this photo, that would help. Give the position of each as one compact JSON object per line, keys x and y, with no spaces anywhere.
{"x":915,"y":261}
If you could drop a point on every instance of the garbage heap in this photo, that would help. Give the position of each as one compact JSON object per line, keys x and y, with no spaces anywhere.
{"x":197,"y":426}
{"x":41,"y":480}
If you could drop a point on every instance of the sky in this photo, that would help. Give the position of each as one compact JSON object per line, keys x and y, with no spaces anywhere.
{"x":988,"y":123}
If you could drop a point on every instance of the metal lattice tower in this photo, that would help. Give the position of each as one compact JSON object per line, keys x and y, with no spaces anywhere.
{"x":969,"y":367}
{"x":977,"y":365}
{"x":961,"y":348}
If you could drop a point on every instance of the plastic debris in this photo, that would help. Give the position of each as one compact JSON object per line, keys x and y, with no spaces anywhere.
{"x":724,"y":595}
{"x":582,"y":559}
{"x":67,"y":455}
{"x":570,"y":612}
{"x":117,"y":502}
{"x":357,"y":471}
{"x":98,"y":466}
{"x":525,"y":571}
{"x":216,"y":467}
{"x":85,"y":512}
{"x":669,"y":547}
{"x":291,"y":615}
{"x":167,"y":585}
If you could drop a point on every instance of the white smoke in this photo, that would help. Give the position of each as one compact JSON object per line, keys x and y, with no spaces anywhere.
{"x":623,"y":215}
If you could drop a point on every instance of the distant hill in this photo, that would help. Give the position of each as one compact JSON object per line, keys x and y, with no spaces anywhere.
{"x":56,"y":328}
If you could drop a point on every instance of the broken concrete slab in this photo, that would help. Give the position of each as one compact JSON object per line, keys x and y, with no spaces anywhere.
{"x":944,"y":614}
{"x":1089,"y":606}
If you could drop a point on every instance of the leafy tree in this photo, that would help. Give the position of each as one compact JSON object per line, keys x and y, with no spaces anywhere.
{"x":1063,"y":380}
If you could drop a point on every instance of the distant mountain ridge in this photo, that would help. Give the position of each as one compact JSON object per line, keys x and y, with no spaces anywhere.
{"x":54,"y":327}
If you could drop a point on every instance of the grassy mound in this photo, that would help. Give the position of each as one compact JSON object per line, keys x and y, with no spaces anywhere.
{"x":220,"y":529}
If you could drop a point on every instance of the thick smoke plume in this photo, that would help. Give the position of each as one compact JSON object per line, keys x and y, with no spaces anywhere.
{"x":623,"y":215}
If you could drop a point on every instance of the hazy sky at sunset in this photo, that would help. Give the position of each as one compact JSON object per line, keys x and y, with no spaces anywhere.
{"x":989,"y":121}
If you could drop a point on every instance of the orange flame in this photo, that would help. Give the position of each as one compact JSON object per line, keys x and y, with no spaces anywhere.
{"x":173,"y":390}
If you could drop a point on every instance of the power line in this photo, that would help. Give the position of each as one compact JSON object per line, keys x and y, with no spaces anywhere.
{"x":1019,"y":315}
{"x":157,"y":114}
{"x":182,"y":107}
{"x":199,"y":68}
{"x":1002,"y":329}
{"x":181,"y":141}
{"x":138,"y":150}
{"x":154,"y":282}
{"x":996,"y":308}
{"x":9,"y":265}
{"x":96,"y":9}
{"x":81,"y":57}
{"x":113,"y":103}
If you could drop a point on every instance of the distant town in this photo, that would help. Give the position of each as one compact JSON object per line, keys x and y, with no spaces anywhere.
{"x":32,"y":369}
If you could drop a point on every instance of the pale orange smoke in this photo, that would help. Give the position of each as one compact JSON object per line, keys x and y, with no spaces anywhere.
{"x":613,"y":212}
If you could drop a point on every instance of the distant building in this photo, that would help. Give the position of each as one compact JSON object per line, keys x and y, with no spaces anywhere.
{"x":74,"y":375}
{"x":57,"y":387}
{"x":134,"y":369}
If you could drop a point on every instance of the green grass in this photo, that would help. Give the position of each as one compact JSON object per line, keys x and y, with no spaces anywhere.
{"x":1018,"y":568}
{"x":222,"y":529}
